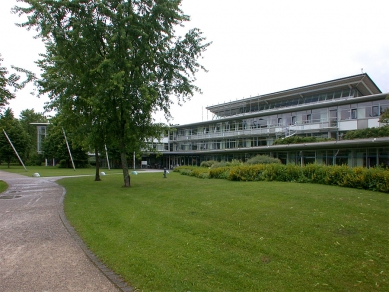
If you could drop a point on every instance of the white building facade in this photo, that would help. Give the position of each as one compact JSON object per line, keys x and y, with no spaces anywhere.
{"x":248,"y":127}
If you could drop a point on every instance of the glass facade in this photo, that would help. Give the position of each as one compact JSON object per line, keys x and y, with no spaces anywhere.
{"x":248,"y":127}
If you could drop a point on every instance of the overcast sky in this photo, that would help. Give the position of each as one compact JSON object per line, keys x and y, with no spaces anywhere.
{"x":258,"y":47}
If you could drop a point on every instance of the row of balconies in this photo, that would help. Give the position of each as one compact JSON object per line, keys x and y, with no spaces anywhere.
{"x":265,"y":131}
{"x":278,"y":130}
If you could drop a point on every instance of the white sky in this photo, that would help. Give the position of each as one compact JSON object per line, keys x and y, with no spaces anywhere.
{"x":259,"y":47}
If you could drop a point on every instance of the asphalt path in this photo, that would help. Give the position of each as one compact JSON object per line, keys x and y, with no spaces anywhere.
{"x":39,"y":250}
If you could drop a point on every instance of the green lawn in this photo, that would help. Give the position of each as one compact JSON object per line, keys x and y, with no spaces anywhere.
{"x":3,"y":186}
{"x":47,"y":171}
{"x":189,"y":234}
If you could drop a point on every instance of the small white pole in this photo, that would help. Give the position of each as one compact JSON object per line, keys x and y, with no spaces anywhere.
{"x":16,"y":152}
{"x":134,"y":160}
{"x":106,"y":154}
{"x":67,"y":144}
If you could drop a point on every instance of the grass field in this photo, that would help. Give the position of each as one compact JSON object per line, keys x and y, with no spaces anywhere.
{"x":189,"y":234}
{"x":47,"y":171}
{"x":3,"y":186}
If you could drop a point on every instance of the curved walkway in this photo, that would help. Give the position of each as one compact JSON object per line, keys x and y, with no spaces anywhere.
{"x":39,"y":250}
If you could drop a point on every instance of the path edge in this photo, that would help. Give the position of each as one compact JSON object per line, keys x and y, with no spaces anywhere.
{"x":108,"y":273}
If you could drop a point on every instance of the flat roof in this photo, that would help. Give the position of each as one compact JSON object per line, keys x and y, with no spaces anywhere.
{"x":362,"y":82}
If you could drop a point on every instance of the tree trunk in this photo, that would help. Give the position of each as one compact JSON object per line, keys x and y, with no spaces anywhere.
{"x":126,"y":175}
{"x":97,"y":175}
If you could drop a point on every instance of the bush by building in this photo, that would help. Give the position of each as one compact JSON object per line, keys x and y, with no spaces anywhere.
{"x":375,"y":179}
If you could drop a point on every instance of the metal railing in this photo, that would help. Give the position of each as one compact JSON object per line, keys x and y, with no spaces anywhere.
{"x":265,"y":131}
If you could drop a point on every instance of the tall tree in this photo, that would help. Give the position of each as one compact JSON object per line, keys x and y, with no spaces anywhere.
{"x":124,"y":56}
{"x":16,"y":134}
{"x":8,"y":81}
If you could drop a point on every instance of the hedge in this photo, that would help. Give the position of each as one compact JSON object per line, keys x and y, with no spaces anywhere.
{"x":375,"y":179}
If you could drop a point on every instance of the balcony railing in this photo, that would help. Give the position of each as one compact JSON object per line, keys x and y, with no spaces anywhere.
{"x":265,"y":131}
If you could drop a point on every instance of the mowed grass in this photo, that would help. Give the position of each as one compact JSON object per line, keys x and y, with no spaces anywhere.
{"x":187,"y":234}
{"x":48,"y":171}
{"x":3,"y":186}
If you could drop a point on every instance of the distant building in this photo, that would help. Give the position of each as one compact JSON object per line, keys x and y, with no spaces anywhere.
{"x":248,"y":127}
{"x":41,"y":134}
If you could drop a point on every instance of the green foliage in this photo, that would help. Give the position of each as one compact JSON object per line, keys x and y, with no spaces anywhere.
{"x":3,"y":186}
{"x":34,"y":159}
{"x":375,"y":179}
{"x":368,"y":133}
{"x":27,"y":117}
{"x":384,"y":118}
{"x":219,"y":172}
{"x":300,"y":140}
{"x":262,"y":159}
{"x":13,"y":81}
{"x":223,"y":163}
{"x":54,"y":146}
{"x":208,"y":163}
{"x":198,"y":172}
{"x":119,"y":63}
{"x":16,"y":134}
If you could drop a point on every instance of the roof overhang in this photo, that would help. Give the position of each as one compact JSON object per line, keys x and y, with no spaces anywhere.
{"x":362,"y":82}
{"x":315,"y":105}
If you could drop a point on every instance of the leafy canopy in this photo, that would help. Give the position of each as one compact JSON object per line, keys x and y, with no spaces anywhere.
{"x":110,"y":64}
{"x":8,"y":81}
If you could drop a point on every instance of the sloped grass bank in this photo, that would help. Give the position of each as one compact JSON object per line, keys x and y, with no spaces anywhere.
{"x":187,"y":234}
{"x":3,"y":186}
{"x":375,"y":179}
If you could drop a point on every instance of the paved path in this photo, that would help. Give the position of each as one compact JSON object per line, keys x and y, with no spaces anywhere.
{"x":38,"y":251}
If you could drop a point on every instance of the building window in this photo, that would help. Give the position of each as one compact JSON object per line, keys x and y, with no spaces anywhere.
{"x":309,"y":118}
{"x":353,"y":113}
{"x":279,"y":121}
{"x":376,"y":111}
{"x":294,"y":120}
{"x":344,"y":113}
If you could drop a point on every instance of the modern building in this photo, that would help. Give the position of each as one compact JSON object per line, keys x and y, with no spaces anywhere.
{"x":41,"y":134}
{"x":248,"y":127}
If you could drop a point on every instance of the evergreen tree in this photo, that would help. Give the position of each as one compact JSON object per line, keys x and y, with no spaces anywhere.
{"x":16,"y":134}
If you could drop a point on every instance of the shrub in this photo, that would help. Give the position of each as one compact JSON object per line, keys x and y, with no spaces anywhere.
{"x":290,"y":172}
{"x":376,"y":179}
{"x":262,"y":159}
{"x":367,"y":133}
{"x":300,"y":140}
{"x":184,"y":171}
{"x":233,"y":162}
{"x":63,"y":163}
{"x":35,"y":160}
{"x":208,"y":163}
{"x":200,"y":172}
{"x":220,"y":172}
